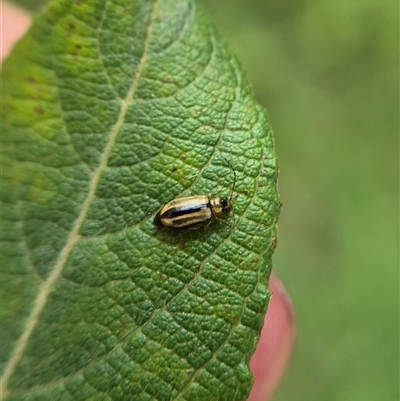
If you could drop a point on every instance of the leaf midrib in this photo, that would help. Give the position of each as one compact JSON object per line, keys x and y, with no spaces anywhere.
{"x":74,"y":236}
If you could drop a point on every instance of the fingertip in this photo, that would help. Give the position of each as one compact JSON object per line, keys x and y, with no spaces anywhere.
{"x":277,"y":341}
{"x":14,"y":24}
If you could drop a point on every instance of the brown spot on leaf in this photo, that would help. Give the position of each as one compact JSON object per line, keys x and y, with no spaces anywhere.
{"x":39,"y":110}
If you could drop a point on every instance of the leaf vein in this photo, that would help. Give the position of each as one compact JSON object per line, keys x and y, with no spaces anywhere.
{"x":74,"y":237}
{"x":101,"y":54}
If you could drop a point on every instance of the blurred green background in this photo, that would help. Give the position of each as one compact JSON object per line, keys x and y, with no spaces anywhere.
{"x":328,"y":73}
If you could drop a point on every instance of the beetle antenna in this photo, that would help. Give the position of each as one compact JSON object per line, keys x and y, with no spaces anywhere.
{"x":234,"y":178}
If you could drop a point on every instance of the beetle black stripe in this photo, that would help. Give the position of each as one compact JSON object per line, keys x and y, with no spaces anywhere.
{"x":181,"y":211}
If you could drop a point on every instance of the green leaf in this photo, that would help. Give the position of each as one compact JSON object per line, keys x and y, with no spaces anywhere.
{"x":112,"y":108}
{"x":32,"y":5}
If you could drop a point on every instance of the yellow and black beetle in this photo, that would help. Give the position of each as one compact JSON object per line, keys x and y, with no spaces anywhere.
{"x":193,"y":210}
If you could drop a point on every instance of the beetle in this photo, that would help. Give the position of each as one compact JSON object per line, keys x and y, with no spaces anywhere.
{"x":193,"y":210}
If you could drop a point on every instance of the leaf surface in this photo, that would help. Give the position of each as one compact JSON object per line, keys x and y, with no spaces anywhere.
{"x":111,"y":108}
